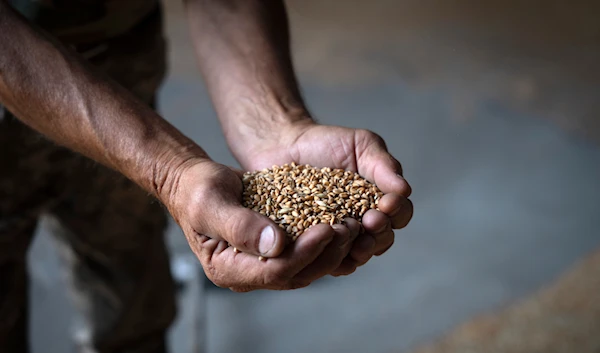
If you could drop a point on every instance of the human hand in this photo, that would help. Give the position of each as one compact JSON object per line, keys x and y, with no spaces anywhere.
{"x":205,"y":200}
{"x":361,"y":151}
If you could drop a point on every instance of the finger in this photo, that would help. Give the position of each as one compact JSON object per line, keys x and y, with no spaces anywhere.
{"x":238,"y":172}
{"x":363,"y":249}
{"x":379,"y":226}
{"x":244,"y":272}
{"x":398,"y":208}
{"x":387,"y":180}
{"x":375,"y":221}
{"x":378,"y":166}
{"x":365,"y":246}
{"x":221,"y":215}
{"x":384,"y":242}
{"x":382,"y":251}
{"x":353,"y":226}
{"x":347,"y":267}
{"x":332,"y":256}
{"x":302,"y":253}
{"x":246,"y":230}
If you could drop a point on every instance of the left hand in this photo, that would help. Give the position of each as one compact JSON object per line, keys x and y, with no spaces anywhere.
{"x":358,"y":150}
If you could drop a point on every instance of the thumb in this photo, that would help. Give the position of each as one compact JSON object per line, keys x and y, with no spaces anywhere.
{"x":249,"y":231}
{"x":381,"y":168}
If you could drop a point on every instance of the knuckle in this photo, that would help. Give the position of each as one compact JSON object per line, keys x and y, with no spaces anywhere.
{"x":387,"y":239}
{"x":403,"y":220}
{"x":372,"y":137}
{"x":396,"y":164}
{"x":407,"y":191}
{"x":235,"y":229}
{"x":385,"y":248}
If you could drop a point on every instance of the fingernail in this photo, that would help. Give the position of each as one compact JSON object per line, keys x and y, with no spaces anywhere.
{"x":400,"y":176}
{"x":267,"y":240}
{"x":339,"y":227}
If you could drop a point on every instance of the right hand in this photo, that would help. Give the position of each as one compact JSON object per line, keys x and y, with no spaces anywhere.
{"x":205,"y":200}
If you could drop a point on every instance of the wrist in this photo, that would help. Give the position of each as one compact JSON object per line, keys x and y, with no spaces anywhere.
{"x":250,"y":140}
{"x":270,"y":112}
{"x":162,"y":159}
{"x":168,"y":171}
{"x":255,"y":125}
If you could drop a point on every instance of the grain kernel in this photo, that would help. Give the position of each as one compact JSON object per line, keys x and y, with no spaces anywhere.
{"x":296,"y":197}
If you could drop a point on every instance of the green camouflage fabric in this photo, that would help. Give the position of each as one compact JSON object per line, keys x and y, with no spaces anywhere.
{"x":109,"y":231}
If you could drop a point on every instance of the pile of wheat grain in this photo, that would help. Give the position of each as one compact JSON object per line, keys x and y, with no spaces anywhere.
{"x":298,"y":196}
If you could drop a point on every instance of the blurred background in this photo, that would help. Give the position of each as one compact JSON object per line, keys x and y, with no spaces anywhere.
{"x":494,"y":110}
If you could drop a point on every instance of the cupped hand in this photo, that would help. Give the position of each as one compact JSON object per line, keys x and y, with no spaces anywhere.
{"x":358,"y":150}
{"x":205,"y":200}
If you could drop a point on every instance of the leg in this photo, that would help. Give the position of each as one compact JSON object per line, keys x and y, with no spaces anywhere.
{"x":25,"y":161}
{"x":111,"y":230}
{"x":110,"y":234}
{"x":14,"y":240}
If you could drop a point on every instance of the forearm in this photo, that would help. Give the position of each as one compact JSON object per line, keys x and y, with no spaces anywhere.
{"x":50,"y":90}
{"x":244,"y":56}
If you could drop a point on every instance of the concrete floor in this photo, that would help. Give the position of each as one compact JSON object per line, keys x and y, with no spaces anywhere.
{"x":493,"y":113}
{"x":563,"y":317}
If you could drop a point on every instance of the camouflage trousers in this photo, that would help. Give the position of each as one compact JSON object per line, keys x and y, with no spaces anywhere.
{"x":109,"y":231}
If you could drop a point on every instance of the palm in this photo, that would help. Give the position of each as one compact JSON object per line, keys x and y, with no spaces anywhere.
{"x":360,"y":151}
{"x":317,"y":145}
{"x":357,"y":150}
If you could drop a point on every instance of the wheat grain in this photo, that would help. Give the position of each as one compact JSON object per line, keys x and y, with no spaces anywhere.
{"x":298,"y":196}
